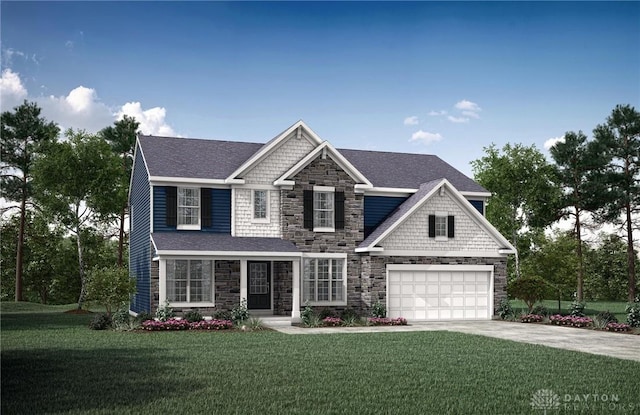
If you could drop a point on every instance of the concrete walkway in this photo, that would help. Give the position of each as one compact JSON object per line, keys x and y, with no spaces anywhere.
{"x":621,"y":346}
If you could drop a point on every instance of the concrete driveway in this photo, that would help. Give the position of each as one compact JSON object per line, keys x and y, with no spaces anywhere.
{"x":622,"y":346}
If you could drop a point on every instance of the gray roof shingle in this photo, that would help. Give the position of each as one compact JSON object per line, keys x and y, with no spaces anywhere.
{"x":405,"y":170}
{"x":206,"y":241}
{"x":400,"y":211}
{"x":194,"y":158}
{"x":213,"y":159}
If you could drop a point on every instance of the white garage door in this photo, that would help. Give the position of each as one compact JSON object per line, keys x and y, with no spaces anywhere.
{"x":439,"y":292}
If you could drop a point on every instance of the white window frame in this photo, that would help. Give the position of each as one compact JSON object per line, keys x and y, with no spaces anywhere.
{"x":305,"y":280}
{"x":193,"y":226}
{"x":164,"y":286}
{"x":267,"y":196}
{"x":329,"y":190}
{"x":442,"y":216}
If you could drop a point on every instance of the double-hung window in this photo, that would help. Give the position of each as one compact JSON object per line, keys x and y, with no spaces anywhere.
{"x":260,"y":204}
{"x":323,"y":208}
{"x":441,"y":226}
{"x":189,"y":281}
{"x":188,"y":208}
{"x":324,"y":281}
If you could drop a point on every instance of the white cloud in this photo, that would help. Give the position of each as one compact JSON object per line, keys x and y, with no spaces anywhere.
{"x":425,"y":137}
{"x":437,"y":113}
{"x":471,"y":114}
{"x":465,"y":105}
{"x":457,"y":120}
{"x":152,"y":121}
{"x":80,"y":109}
{"x":413,"y":120}
{"x":69,"y":44}
{"x":552,"y":142}
{"x":12,"y":91}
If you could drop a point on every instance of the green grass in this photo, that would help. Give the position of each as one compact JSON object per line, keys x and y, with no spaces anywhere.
{"x":593,"y":307}
{"x":52,"y":363}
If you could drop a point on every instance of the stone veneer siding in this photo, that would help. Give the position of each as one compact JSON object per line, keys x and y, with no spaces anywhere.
{"x":374,"y":274}
{"x":325,"y":172}
{"x":282,"y":288}
{"x":226,"y":290}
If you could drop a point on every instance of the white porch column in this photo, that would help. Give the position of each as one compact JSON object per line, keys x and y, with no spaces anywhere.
{"x":243,"y":279}
{"x":295,"y":308}
{"x":162,"y":281}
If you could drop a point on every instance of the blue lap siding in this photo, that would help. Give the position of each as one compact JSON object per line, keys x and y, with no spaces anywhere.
{"x":377,"y":209}
{"x":140,"y":242}
{"x":220,"y":211}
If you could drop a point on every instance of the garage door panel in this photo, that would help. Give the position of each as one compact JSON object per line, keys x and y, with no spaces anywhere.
{"x":439,"y":295}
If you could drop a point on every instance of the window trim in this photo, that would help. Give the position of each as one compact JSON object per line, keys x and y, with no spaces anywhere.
{"x":445,"y":216}
{"x":331,"y":258}
{"x":267,"y":218}
{"x":324,"y":189}
{"x":197,"y":226}
{"x":164,"y":266}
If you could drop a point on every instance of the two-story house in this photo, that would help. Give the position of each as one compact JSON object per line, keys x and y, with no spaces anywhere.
{"x":296,"y":221}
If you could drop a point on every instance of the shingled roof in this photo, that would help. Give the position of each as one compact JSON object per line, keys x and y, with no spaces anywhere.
{"x":215,"y":242}
{"x":213,"y":159}
{"x":405,"y":170}
{"x":194,"y":158}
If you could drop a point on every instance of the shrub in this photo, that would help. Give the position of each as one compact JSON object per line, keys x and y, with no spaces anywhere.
{"x":122,"y":320}
{"x":326,"y":312}
{"x":531,"y":318}
{"x":349,"y":314}
{"x":504,"y":310}
{"x":253,"y":324}
{"x":577,"y":309}
{"x":193,"y":316}
{"x":528,"y":289}
{"x":240,"y":314}
{"x":331,"y":321}
{"x":144,"y":316}
{"x":540,"y":310}
{"x":100,"y":322}
{"x":213,"y":324}
{"x":307,"y":314}
{"x":606,"y":317}
{"x":222,"y":315}
{"x":109,"y":286}
{"x":633,"y":313}
{"x":379,"y":310}
{"x":350,"y":317}
{"x":165,"y":312}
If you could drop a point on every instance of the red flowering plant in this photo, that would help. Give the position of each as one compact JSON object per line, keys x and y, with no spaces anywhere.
{"x":617,"y":327}
{"x":572,"y":321}
{"x":181,"y":324}
{"x":385,"y":321}
{"x":531,"y":318}
{"x":332,"y":321}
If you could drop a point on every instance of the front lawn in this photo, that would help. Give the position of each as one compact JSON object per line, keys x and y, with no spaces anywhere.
{"x":51,"y":363}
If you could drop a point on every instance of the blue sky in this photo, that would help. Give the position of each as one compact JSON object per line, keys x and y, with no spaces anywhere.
{"x":445,"y":78}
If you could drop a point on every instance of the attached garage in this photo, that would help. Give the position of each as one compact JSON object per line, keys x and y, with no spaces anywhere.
{"x":440,"y":292}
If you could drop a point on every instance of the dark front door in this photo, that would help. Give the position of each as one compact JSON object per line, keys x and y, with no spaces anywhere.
{"x":259,"y":285}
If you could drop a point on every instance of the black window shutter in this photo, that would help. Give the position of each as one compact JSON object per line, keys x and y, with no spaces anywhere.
{"x":432,"y":226}
{"x":339,"y":200}
{"x":450,"y":226}
{"x":172,"y":206}
{"x":205,"y":206}
{"x":308,"y":209}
